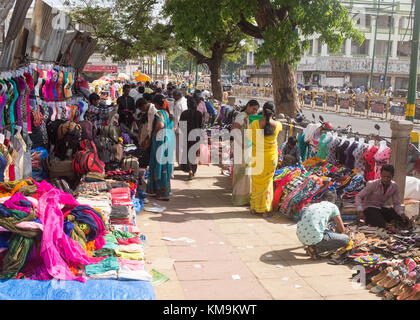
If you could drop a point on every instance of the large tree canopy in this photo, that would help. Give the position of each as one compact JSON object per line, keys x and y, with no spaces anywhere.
{"x":285,"y":25}
{"x":125,"y":29}
{"x":206,"y":29}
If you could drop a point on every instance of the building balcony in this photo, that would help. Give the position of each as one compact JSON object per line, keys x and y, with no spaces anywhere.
{"x":353,"y":65}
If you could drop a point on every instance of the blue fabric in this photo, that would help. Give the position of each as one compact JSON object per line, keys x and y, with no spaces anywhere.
{"x":138,"y":204}
{"x":3,"y":164}
{"x":161,"y":159}
{"x":84,"y":217}
{"x":43,"y":151}
{"x":89,"y":209}
{"x":4,"y":239}
{"x":76,"y":290}
{"x":4,"y":211}
{"x":210,"y":108}
{"x":141,"y":194}
{"x":68,"y":227}
{"x":25,"y":203}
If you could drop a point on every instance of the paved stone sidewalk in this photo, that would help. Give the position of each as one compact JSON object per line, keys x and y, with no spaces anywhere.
{"x":235,"y":255}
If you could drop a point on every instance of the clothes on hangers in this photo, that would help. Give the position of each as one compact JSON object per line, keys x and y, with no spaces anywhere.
{"x":369,"y":161}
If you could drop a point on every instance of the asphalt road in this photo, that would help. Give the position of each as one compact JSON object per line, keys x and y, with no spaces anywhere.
{"x":361,"y":125}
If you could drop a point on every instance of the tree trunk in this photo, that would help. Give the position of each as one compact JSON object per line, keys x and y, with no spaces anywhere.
{"x":215,"y":77}
{"x":286,"y":98}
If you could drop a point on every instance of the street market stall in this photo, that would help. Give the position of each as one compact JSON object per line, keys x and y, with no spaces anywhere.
{"x":67,"y":225}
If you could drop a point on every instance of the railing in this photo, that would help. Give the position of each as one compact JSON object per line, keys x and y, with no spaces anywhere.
{"x":362,"y":105}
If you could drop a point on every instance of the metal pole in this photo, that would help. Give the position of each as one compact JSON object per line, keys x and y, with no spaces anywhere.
{"x":189,"y":77}
{"x":196,"y":75}
{"x":412,"y":83}
{"x":391,"y":25}
{"x":156,"y":68}
{"x":374,"y":46}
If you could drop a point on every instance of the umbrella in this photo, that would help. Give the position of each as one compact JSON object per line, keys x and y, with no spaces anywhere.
{"x":142,"y":77}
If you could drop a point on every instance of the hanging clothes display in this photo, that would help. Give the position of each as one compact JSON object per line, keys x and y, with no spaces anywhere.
{"x":381,"y":157}
{"x":369,"y":160}
{"x":358,"y":152}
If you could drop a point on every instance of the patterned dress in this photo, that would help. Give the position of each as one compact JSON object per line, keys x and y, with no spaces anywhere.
{"x":332,"y":150}
{"x":381,"y":157}
{"x":369,"y":160}
{"x":359,"y":163}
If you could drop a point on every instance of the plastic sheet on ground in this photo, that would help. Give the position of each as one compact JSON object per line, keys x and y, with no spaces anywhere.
{"x":76,"y":290}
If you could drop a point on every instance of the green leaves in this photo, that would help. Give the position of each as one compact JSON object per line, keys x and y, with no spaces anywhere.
{"x":204,"y":24}
{"x":293,"y":21}
{"x":125,"y":29}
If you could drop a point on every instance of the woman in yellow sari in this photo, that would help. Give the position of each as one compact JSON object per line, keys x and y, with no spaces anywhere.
{"x":265,"y":158}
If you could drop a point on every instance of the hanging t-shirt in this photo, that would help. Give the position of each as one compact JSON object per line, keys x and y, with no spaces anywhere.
{"x":323,"y":147}
{"x":381,"y":157}
{"x":349,"y":155}
{"x":332,"y":150}
{"x":341,"y":152}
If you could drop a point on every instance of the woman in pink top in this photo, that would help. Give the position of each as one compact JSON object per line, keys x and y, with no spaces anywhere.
{"x":201,"y":105}
{"x":371,"y":201}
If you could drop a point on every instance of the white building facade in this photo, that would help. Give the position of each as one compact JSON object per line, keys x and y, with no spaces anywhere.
{"x":352,"y":65}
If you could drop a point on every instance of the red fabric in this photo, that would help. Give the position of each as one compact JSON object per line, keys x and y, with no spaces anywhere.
{"x":12,"y":176}
{"x":120,"y":191}
{"x":418,"y":165}
{"x":122,"y":202}
{"x":279,"y":189}
{"x":369,"y":159}
{"x":125,"y":242}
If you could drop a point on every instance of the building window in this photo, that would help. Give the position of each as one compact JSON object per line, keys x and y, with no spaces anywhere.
{"x":363,"y":20}
{"x":360,"y":50}
{"x":311,"y":48}
{"x":383,"y":21}
{"x":340,"y":52}
{"x":403,"y":49}
{"x":319,"y":49}
{"x":381,"y":47}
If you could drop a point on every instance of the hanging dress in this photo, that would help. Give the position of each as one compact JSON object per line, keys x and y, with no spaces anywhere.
{"x":349,"y":155}
{"x":359,"y":163}
{"x":369,"y":160}
{"x":381,"y":157}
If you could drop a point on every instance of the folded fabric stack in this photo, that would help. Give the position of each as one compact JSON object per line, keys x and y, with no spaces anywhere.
{"x":121,"y":215}
{"x":45,"y":233}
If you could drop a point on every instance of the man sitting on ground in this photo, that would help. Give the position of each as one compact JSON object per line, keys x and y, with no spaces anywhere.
{"x":312,"y":228}
{"x":371,"y":201}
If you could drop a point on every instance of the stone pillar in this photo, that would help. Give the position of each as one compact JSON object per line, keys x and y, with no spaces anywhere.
{"x":400,"y":138}
{"x":324,"y":50}
{"x":395,"y":37}
{"x":315,"y":47}
{"x":372,"y":36}
{"x":393,"y":81}
{"x":348,"y":48}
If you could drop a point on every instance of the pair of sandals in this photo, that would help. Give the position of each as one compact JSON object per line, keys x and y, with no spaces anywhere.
{"x":265,"y":215}
{"x":397,"y":281}
{"x":158,"y":197}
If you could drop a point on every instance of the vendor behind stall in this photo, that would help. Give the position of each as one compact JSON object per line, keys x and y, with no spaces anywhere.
{"x":290,"y":152}
{"x":371,"y":201}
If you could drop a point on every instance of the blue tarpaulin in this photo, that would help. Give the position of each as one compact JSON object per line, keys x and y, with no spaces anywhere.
{"x":76,"y":290}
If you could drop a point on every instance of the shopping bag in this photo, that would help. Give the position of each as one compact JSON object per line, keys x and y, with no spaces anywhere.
{"x":204,"y":155}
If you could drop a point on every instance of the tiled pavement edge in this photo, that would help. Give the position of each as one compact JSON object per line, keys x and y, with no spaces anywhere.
{"x":235,"y":256}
